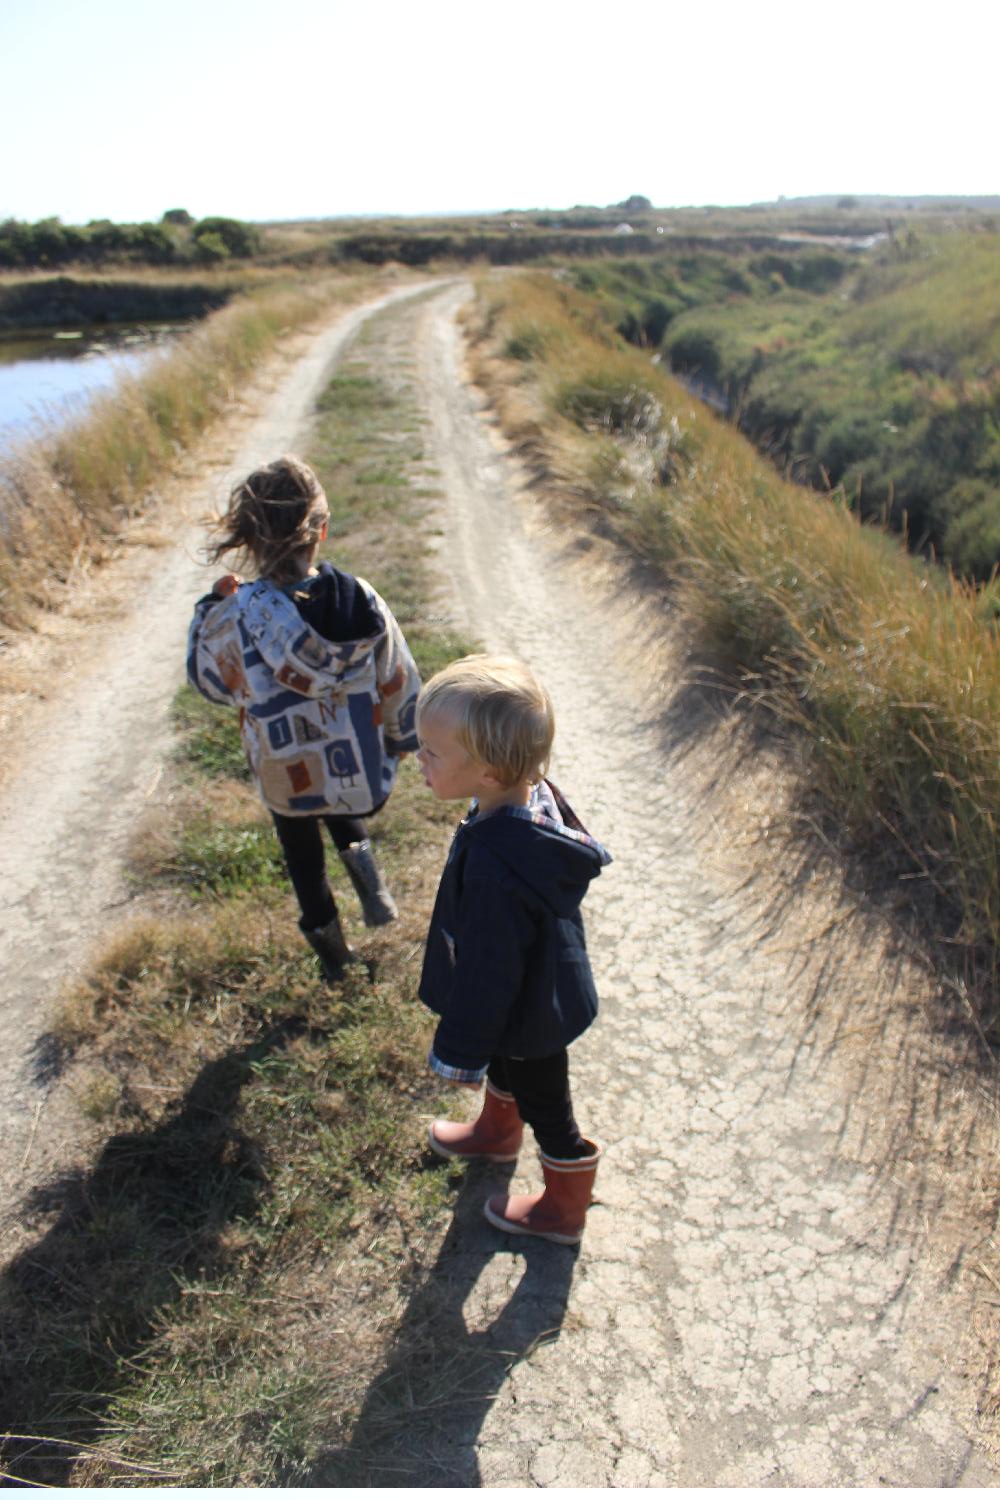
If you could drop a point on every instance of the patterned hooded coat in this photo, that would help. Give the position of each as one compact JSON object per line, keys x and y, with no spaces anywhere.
{"x":325,"y":686}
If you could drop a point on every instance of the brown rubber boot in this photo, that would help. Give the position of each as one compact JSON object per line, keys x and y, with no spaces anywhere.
{"x":331,"y":948}
{"x":559,"y":1211}
{"x":495,"y":1136}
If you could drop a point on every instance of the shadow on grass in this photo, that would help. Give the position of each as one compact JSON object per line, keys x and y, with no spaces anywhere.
{"x":49,"y":1058}
{"x":85,"y":1298}
{"x":423,"y":1414}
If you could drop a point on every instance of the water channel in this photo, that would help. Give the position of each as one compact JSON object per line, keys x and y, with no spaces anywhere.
{"x":47,"y":376}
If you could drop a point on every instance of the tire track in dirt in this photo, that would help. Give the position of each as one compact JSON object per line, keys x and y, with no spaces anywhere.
{"x":760,"y":1299}
{"x":90,"y":753}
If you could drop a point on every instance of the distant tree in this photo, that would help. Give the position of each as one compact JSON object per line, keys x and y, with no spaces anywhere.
{"x":50,"y":242}
{"x":13,"y":243}
{"x":179,"y":216}
{"x":152,"y":243}
{"x":637,"y":204}
{"x":210,"y":247}
{"x":847,"y":202}
{"x":240,"y":240}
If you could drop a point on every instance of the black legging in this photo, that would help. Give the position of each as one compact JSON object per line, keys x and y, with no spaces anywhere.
{"x":302,"y":844}
{"x":540,"y":1086}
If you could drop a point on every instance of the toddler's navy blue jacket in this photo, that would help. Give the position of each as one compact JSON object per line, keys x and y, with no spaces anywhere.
{"x":506,"y":965}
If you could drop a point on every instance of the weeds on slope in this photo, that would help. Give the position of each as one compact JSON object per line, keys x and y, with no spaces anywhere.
{"x":888,"y":666}
{"x":877,"y":373}
{"x":204,"y":1303}
{"x":64,"y":494}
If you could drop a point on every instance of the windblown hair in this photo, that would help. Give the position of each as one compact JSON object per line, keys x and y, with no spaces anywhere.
{"x":275,"y":512}
{"x":500,"y":713}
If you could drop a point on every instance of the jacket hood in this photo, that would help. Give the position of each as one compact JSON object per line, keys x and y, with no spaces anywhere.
{"x":292,"y":640}
{"x":545,"y":846}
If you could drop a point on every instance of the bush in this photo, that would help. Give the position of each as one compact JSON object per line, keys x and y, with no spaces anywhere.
{"x":50,"y":243}
{"x":848,"y":440}
{"x":647,"y":327}
{"x":972,"y":537}
{"x":210,"y":248}
{"x":603,"y":401}
{"x":696,"y":352}
{"x":240,"y":240}
{"x":524,"y":343}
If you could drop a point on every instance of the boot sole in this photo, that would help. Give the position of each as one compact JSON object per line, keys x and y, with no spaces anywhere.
{"x":450,"y":1153}
{"x":499,"y":1222}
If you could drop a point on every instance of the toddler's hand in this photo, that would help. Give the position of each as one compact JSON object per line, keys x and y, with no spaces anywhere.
{"x":227,"y":584}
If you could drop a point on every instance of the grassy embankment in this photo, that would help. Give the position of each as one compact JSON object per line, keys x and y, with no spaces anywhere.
{"x":207,"y":1304}
{"x":43,"y":301}
{"x":63,"y":495}
{"x":888,"y":665}
{"x":879,"y":374}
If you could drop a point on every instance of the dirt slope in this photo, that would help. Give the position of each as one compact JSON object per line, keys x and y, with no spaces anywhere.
{"x":773,"y":1286}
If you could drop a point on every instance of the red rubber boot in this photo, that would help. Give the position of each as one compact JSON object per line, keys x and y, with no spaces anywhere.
{"x":559,"y":1211}
{"x":495,"y":1136}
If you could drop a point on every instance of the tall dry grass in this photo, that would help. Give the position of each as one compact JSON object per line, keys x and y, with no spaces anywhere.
{"x":888,"y":665}
{"x":65,"y":492}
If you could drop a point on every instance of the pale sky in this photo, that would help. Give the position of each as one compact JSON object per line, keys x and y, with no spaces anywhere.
{"x":279,"y":109}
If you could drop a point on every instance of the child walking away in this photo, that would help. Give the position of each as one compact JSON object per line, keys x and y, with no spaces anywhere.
{"x":325,"y":685}
{"x":506,"y":965}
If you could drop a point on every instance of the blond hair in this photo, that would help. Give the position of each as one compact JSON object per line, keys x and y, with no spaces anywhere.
{"x":500,"y":713}
{"x":277,"y":511}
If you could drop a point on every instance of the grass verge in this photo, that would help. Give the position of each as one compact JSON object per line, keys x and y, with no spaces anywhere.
{"x":887,"y":665}
{"x":204,"y":1302}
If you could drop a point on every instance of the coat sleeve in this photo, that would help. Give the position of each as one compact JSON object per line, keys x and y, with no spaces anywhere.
{"x":202,"y":668}
{"x":495,"y":934}
{"x":398,"y":683}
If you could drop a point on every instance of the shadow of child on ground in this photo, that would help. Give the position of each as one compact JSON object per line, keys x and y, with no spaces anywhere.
{"x":85,"y":1298}
{"x":423,"y":1413}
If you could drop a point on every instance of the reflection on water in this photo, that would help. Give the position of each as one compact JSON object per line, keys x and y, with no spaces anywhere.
{"x":46,"y":376}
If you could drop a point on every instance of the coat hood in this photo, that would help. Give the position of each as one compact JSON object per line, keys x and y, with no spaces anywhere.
{"x":544,"y":845}
{"x":290,"y":639}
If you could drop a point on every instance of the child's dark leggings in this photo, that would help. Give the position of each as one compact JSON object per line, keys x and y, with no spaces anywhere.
{"x":302,"y":844}
{"x":540,"y":1086}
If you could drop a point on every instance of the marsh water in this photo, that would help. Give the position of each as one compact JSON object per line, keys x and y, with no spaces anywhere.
{"x":47,"y":376}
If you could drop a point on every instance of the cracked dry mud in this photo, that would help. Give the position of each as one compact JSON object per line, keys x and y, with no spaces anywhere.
{"x":775,"y":1283}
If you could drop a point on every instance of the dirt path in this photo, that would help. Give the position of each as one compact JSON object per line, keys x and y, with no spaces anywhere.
{"x":772,"y":1287}
{"x":83,"y":757}
{"x":768,"y":1289}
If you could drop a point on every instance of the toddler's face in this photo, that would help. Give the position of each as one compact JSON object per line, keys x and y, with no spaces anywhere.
{"x":448,"y":768}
